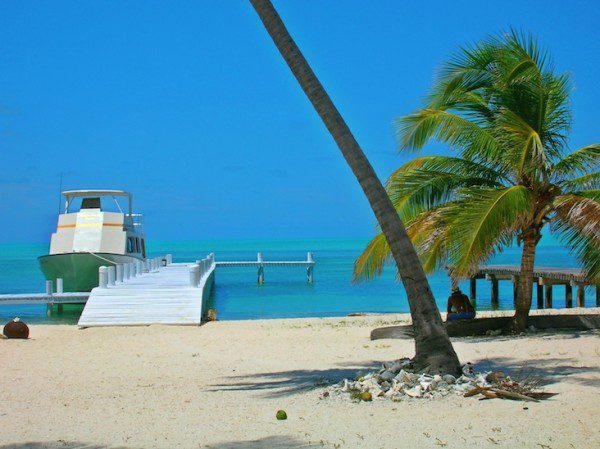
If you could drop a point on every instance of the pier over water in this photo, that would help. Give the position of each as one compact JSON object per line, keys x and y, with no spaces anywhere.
{"x":544,"y":279}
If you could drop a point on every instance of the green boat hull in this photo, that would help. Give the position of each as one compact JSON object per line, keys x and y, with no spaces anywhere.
{"x":79,"y":271}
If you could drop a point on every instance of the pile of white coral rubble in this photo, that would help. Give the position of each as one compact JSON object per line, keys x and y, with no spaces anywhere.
{"x":397,"y":382}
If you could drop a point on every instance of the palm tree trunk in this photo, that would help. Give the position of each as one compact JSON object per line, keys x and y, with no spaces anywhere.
{"x":523,"y":305}
{"x":434,"y":351}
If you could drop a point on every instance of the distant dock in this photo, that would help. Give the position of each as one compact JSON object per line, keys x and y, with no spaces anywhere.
{"x":544,"y":279}
{"x":260,"y":264}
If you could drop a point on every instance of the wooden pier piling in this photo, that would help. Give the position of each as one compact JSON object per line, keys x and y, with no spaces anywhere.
{"x":515,"y":282}
{"x":261,"y":271}
{"x":59,"y":290}
{"x":49,"y":293}
{"x":568,"y":296}
{"x":473,"y":290}
{"x":309,"y":269}
{"x":545,"y":278}
{"x":548,"y":295}
{"x":580,"y":295}
{"x":539,"y":294}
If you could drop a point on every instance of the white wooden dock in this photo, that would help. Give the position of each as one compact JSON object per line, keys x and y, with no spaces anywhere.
{"x":152,"y":291}
{"x":172,"y":294}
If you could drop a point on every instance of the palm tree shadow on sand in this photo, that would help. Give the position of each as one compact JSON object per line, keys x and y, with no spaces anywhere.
{"x":274,"y":442}
{"x":57,"y":445}
{"x":284,"y":383}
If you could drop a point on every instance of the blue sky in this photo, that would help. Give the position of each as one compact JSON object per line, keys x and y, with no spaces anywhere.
{"x":189,"y":105}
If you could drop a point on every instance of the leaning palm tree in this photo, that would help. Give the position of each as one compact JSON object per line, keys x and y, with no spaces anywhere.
{"x":434,"y":351}
{"x":505,"y":112}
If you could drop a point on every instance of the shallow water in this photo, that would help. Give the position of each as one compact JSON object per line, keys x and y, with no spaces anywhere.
{"x":285,"y":292}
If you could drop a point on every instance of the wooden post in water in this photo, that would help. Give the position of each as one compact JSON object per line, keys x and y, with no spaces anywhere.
{"x":568,"y":296}
{"x":515,"y":281}
{"x":581,"y":295}
{"x":261,"y":272}
{"x":540,"y":293}
{"x":495,"y":296}
{"x":548,"y":291}
{"x":473,"y":290}
{"x":309,"y":270}
{"x":49,"y":293}
{"x":60,"y":289}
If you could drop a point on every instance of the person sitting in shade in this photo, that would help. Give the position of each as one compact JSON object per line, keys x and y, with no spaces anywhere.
{"x":459,"y":307}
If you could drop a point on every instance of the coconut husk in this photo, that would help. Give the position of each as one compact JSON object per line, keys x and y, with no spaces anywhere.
{"x":475,"y":391}
{"x":512,"y":395}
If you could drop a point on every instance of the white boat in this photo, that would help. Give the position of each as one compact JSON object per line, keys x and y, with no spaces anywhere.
{"x":91,"y":236}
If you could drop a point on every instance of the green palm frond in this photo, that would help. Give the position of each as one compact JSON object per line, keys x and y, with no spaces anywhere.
{"x":581,"y":161}
{"x":370,"y":263}
{"x":590,"y":181}
{"x":427,"y":232}
{"x":428,"y":181}
{"x":455,"y":165}
{"x":483,"y":222}
{"x":470,"y":61}
{"x":415,"y":130}
{"x":577,"y":224}
{"x":524,"y":47}
{"x":556,"y":119}
{"x":525,"y":147}
{"x":584,"y":246}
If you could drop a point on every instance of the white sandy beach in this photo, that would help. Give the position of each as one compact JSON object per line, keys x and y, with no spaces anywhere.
{"x":219,"y":386}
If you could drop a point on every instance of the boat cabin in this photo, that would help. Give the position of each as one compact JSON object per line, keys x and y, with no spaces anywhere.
{"x":89,"y":224}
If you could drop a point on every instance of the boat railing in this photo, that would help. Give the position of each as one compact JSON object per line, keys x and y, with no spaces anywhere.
{"x":137,"y":222}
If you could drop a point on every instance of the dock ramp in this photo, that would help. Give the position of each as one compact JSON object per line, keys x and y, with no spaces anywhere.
{"x":162,"y":296}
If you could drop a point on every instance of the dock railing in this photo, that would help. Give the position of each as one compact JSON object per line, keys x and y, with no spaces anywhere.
{"x":122,"y":272}
{"x":201,"y":269}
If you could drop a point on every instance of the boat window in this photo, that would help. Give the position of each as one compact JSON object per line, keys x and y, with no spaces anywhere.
{"x":137,"y":245}
{"x":130,"y":245}
{"x":143,"y":248}
{"x":90,"y":203}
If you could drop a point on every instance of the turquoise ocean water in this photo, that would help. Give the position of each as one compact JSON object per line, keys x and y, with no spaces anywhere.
{"x":285,"y":292}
